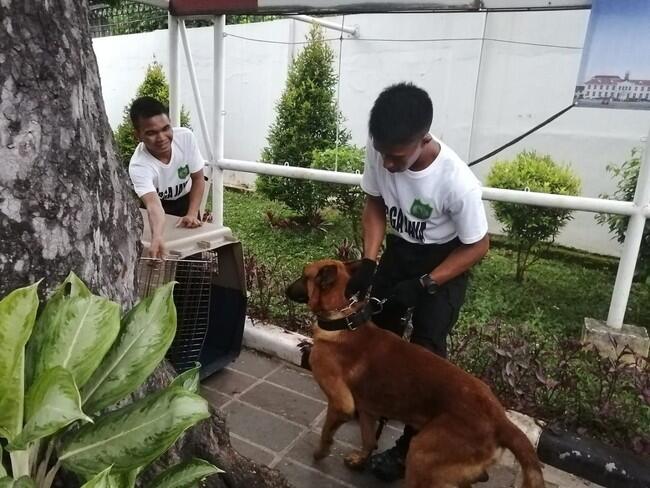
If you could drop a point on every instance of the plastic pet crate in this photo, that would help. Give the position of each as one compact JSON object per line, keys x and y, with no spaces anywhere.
{"x":210,"y":295}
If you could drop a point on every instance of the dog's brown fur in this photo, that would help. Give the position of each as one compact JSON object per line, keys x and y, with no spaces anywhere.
{"x":374,"y":373}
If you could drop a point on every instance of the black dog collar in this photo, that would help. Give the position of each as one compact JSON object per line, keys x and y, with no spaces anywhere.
{"x":354,"y":320}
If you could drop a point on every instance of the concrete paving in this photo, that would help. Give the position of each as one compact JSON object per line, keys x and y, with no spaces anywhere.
{"x":275,"y":410}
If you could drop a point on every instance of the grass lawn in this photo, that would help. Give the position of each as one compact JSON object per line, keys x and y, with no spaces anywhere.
{"x":558,"y":293}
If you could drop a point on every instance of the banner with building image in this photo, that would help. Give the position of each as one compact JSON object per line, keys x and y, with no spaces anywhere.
{"x":615,"y":68}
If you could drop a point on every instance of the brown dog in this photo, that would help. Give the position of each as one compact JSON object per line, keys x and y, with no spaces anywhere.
{"x":372,"y":372}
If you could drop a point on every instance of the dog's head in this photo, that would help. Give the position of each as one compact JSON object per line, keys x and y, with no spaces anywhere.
{"x":322,"y":285}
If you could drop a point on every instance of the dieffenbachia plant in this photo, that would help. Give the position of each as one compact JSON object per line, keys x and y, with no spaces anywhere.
{"x":61,"y":369}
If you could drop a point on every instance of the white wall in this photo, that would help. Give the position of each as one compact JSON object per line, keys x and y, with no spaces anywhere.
{"x":484,"y":94}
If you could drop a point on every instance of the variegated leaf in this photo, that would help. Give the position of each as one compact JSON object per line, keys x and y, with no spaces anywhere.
{"x":17,"y":316}
{"x":147,"y":332}
{"x":108,"y":479}
{"x":71,"y":287}
{"x":77,"y":335}
{"x":185,"y":475}
{"x":134,"y":435}
{"x":100,"y":480}
{"x":3,"y":471}
{"x":22,"y":482}
{"x":52,"y":403}
{"x":189,"y":379}
{"x":124,"y":480}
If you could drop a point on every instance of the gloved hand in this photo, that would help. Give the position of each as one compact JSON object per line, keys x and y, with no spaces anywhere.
{"x":407,"y":292}
{"x":361,"y":280}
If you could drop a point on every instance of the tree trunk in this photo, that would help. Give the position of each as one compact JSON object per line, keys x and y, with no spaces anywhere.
{"x":65,"y":201}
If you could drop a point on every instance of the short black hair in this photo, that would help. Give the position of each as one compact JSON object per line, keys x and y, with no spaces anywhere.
{"x":401,"y":113}
{"x":145,"y":108}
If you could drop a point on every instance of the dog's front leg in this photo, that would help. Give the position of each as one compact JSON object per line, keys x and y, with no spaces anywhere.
{"x":334,"y":419}
{"x":368,"y":425}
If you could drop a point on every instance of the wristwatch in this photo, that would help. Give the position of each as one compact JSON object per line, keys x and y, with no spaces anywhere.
{"x":429,"y":284}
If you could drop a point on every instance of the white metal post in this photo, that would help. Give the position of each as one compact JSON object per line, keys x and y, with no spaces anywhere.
{"x":292,"y":43}
{"x":632,"y":244}
{"x":197,"y":92}
{"x":174,"y":73}
{"x":219,"y":115}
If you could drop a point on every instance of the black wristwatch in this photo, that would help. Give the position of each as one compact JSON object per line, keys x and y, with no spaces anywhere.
{"x":429,"y":284}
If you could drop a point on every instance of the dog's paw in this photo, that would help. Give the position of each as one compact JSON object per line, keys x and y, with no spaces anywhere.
{"x":355,"y":460}
{"x":321,"y":452}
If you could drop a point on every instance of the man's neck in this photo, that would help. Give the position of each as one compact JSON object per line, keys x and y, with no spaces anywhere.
{"x":428,"y":156}
{"x":164,"y":158}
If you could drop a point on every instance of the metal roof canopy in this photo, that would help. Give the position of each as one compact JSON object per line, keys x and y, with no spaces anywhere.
{"x":183,"y":8}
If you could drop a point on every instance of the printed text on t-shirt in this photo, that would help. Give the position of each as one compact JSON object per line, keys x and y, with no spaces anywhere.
{"x":400,"y":223}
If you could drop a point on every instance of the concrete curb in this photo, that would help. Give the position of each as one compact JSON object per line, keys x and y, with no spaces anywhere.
{"x":586,"y":458}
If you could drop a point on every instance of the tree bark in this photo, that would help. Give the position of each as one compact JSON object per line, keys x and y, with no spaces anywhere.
{"x":65,"y":201}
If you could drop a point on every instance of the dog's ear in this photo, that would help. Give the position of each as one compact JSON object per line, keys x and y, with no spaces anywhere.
{"x":326,"y":276}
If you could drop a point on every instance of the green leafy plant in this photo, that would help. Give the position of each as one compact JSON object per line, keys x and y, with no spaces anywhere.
{"x":529,"y":227}
{"x":347,"y":199}
{"x":306,"y":121}
{"x":154,"y":85}
{"x":561,"y":381}
{"x":63,"y":370}
{"x":627,"y":175}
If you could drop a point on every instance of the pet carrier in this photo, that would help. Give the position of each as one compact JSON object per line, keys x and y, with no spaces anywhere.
{"x":210,"y":296}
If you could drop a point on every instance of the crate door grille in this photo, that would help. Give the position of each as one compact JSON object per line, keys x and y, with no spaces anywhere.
{"x":191,"y":297}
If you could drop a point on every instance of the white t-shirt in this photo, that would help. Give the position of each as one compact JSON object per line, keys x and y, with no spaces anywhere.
{"x":432,"y":206}
{"x":170,"y":181}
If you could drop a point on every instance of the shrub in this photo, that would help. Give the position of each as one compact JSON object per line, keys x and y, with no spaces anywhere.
{"x":306,"y":121}
{"x":561,"y":381}
{"x":627,"y":175}
{"x":154,"y":85}
{"x":267,"y":300}
{"x":347,"y":199}
{"x":530,"y":226}
{"x":61,"y":374}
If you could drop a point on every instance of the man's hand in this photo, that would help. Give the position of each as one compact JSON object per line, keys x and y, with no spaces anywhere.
{"x":361,"y":280}
{"x":408,"y":292}
{"x":157,"y":249}
{"x":189,"y":222}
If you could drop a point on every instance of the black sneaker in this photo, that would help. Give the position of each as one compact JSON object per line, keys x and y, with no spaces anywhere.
{"x":389,"y":465}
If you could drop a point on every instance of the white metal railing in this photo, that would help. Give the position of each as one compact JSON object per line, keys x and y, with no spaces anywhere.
{"x":638,"y":210}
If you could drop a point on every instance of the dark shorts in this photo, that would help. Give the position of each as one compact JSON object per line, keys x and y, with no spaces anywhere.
{"x":434,"y":315}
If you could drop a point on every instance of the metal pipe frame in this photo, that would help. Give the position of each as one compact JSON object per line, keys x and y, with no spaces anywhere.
{"x":174,"y":72}
{"x":638,"y":210}
{"x":632,"y":244}
{"x":197,"y":92}
{"x":156,"y":3}
{"x":219,"y":114}
{"x":353,"y":31}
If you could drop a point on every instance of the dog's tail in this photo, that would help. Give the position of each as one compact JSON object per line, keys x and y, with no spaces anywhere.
{"x":513,"y":439}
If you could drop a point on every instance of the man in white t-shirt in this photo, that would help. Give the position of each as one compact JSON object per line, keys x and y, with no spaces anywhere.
{"x":166,"y":170}
{"x":437,"y":230}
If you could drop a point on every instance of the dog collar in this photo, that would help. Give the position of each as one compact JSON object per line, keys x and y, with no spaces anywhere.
{"x":355,"y":319}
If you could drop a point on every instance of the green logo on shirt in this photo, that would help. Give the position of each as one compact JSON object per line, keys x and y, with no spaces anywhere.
{"x":183,"y":171}
{"x":420,"y":210}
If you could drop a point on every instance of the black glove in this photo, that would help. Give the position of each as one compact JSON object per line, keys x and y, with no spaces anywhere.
{"x":361,"y":280}
{"x":407,"y":292}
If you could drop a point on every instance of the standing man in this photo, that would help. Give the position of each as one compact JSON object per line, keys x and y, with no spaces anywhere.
{"x":437,"y":231}
{"x":166,"y":170}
